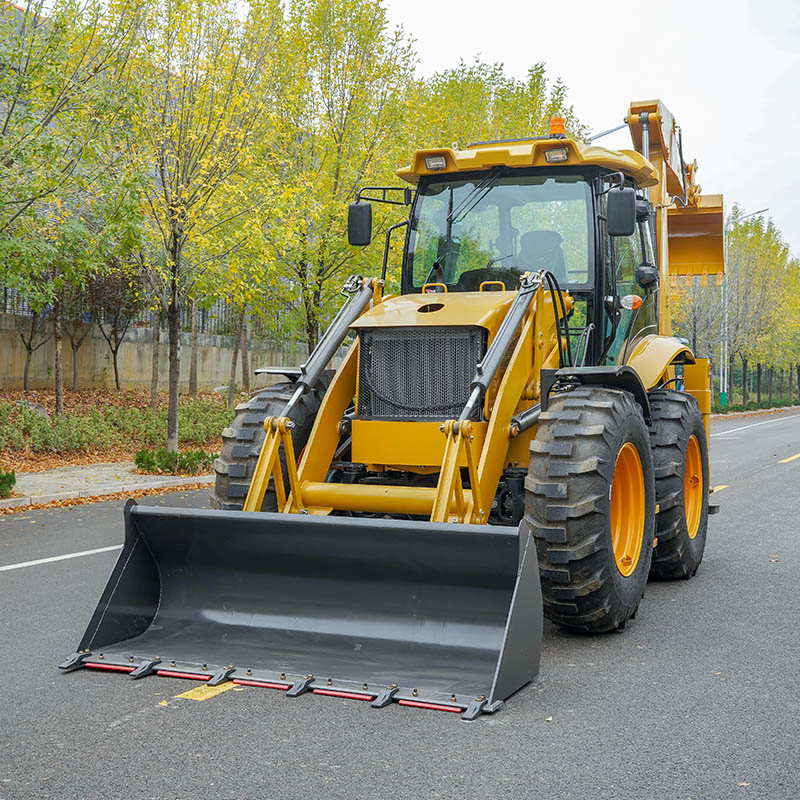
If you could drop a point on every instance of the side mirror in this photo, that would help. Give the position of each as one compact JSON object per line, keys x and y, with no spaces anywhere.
{"x":359,"y":223}
{"x":621,"y":211}
{"x":646,"y":275}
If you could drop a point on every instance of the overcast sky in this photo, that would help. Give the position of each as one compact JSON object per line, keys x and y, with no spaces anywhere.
{"x":729,"y":71}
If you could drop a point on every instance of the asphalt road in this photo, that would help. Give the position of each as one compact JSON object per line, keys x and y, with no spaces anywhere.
{"x":698,"y":698}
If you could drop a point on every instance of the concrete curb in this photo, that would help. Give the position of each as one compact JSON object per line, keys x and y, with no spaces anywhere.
{"x":101,"y":491}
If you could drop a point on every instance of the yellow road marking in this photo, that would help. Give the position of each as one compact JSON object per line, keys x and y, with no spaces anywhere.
{"x":205,"y":691}
{"x":791,"y":458}
{"x":720,"y":487}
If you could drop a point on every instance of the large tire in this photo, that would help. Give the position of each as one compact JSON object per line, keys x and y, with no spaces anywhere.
{"x":589,"y":442}
{"x":680,"y":460}
{"x":242,"y":441}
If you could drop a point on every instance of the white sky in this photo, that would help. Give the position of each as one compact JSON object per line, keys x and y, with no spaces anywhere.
{"x":728,"y":70}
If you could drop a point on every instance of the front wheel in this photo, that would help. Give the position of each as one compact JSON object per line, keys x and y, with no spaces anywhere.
{"x":243,"y":439}
{"x":590,"y":505}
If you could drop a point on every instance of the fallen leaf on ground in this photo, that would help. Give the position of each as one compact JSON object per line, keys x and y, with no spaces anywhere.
{"x":82,"y":501}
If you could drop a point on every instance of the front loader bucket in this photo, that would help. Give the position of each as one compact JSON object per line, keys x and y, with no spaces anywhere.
{"x":432,"y":615}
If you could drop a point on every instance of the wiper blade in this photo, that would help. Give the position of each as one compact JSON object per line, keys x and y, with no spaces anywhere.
{"x":476,"y":195}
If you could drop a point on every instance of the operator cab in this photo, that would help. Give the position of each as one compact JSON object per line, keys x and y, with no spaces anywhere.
{"x":481,"y":231}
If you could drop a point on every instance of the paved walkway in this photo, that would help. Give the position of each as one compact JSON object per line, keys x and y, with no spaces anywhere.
{"x":67,"y":483}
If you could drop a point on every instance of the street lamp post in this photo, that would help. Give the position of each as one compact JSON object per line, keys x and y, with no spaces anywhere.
{"x":724,"y":377}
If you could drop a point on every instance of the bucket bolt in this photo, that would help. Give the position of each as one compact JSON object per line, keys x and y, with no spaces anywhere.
{"x":248,"y":672}
{"x":415,"y":693}
{"x":101,"y":657}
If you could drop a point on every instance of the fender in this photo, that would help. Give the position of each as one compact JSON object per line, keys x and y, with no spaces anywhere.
{"x":653,"y":354}
{"x":611,"y":377}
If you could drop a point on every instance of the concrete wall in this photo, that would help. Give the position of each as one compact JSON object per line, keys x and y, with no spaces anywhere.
{"x":96,"y":370}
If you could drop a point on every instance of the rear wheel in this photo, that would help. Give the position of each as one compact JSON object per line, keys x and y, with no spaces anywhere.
{"x":590,"y":503}
{"x":680,"y":459}
{"x":242,"y":441}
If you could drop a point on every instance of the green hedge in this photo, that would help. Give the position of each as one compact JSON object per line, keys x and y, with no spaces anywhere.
{"x":754,"y":405}
{"x":190,"y":462}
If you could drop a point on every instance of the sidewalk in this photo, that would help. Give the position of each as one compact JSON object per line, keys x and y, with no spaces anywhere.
{"x":92,"y":480}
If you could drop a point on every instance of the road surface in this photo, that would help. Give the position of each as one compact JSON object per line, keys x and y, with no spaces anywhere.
{"x":698,"y":698}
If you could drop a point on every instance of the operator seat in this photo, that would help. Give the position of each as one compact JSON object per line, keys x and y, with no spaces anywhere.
{"x":543,"y":250}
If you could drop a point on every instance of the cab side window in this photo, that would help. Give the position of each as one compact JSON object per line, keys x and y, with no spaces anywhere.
{"x":624,"y":255}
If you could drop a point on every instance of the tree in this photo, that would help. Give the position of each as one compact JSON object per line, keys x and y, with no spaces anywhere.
{"x":207,"y":82}
{"x":480,"y":102}
{"x":35,"y":331}
{"x":116,"y":302}
{"x":76,"y":322}
{"x":62,"y":90}
{"x":343,"y":119}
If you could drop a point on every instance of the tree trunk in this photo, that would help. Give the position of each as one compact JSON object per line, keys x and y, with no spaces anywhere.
{"x":769,"y":384}
{"x":758,"y":382}
{"x":59,"y":364}
{"x":234,"y":360}
{"x":156,"y":349}
{"x":114,"y":354}
{"x":797,"y":366}
{"x":75,"y":368}
{"x":312,"y":311}
{"x":28,"y":357}
{"x":193,"y":358}
{"x":744,"y":381}
{"x":245,"y":353}
{"x":174,"y":331}
{"x":731,"y":393}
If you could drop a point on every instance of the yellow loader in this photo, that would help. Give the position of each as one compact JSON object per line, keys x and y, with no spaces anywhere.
{"x":514,"y":435}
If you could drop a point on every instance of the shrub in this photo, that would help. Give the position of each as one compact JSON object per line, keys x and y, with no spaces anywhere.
{"x":162,"y":460}
{"x":10,"y":434}
{"x":7,"y":482}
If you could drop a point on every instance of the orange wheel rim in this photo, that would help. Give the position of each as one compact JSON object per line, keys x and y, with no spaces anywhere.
{"x":627,"y":509}
{"x":693,"y":486}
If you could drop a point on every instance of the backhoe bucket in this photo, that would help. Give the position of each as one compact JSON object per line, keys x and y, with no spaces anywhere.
{"x":433,"y":615}
{"x":696,"y":238}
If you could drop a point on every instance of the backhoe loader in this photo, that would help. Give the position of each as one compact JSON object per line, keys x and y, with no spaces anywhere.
{"x":516,"y":434}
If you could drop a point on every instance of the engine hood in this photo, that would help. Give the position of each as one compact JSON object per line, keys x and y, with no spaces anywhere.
{"x":486,"y":309}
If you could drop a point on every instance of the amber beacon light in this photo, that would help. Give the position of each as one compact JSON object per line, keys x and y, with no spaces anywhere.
{"x":557,"y":126}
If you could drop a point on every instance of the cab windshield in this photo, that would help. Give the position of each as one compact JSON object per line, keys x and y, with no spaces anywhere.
{"x":495,"y":227}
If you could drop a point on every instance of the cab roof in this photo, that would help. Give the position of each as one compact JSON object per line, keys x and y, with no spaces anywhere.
{"x":483,"y":156}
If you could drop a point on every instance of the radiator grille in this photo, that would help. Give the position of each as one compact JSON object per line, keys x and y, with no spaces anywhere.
{"x":417,"y":373}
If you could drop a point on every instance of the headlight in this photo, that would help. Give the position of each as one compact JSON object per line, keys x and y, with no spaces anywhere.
{"x":435,"y":162}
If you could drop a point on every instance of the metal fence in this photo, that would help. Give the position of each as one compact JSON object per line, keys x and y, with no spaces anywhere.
{"x":220,"y":319}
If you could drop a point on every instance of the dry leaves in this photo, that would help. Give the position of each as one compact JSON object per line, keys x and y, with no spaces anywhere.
{"x":82,"y":501}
